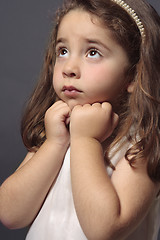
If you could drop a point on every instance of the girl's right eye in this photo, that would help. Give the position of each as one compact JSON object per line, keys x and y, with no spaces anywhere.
{"x":62,"y":52}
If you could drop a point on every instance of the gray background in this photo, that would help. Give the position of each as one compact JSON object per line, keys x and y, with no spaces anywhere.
{"x":24,"y":29}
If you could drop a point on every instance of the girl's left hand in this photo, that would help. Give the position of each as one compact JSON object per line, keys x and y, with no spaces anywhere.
{"x":93,"y":121}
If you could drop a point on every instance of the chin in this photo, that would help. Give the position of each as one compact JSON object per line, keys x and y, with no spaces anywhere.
{"x":73,"y":104}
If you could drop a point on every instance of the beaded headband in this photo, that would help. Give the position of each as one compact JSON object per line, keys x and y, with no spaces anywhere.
{"x":133,"y":14}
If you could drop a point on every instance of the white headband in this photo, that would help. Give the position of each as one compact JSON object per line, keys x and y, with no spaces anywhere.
{"x":133,"y":14}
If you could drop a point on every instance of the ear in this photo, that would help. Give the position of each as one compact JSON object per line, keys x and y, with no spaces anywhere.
{"x":130,"y":87}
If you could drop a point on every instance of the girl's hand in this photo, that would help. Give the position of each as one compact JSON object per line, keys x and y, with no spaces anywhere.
{"x":57,"y":118}
{"x":94,"y":121}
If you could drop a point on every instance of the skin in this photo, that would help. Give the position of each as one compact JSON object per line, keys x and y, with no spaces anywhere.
{"x":87,"y":59}
{"x":106,"y":208}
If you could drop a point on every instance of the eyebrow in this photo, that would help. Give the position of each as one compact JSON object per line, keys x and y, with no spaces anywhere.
{"x":96,"y":41}
{"x":87,"y":40}
{"x":61,"y":40}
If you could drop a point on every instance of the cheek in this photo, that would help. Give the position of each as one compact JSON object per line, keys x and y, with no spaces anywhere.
{"x":56,"y":77}
{"x":108,"y":75}
{"x":104,"y":83}
{"x":103,"y":69}
{"x":100,"y":77}
{"x":55,"y":72}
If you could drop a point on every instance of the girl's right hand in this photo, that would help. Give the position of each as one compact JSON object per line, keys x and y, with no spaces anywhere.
{"x":37,"y":172}
{"x":57,"y":118}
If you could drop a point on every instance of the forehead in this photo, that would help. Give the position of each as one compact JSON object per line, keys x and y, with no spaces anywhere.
{"x":80,"y":22}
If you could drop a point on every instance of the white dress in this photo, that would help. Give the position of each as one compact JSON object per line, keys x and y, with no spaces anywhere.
{"x":57,"y":219}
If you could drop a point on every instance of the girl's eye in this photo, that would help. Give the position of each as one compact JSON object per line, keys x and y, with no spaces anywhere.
{"x":94,"y":53}
{"x":62,"y":52}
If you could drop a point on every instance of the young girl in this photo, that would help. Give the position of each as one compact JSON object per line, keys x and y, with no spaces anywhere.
{"x":92,"y":129}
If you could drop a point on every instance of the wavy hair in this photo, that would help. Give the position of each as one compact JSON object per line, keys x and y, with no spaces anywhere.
{"x":140,"y":109}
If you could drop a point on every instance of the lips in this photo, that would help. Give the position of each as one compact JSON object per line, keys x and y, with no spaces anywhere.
{"x":70,"y":89}
{"x":71,"y":92}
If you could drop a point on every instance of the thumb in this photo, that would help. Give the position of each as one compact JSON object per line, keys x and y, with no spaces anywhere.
{"x":115,"y":119}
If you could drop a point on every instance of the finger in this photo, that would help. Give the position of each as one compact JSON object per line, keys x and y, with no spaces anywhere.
{"x":96,"y":104}
{"x":67,"y":120}
{"x":107,"y":106}
{"x":58,"y":105}
{"x":77,"y":106}
{"x":64,"y":116}
{"x":59,"y":102}
{"x":86,"y":105}
{"x":115,"y":119}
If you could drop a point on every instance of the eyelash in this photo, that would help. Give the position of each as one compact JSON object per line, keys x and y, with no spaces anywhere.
{"x":59,"y":51}
{"x":96,"y":51}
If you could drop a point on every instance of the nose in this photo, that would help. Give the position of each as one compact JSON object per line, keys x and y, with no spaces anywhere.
{"x":71,"y":69}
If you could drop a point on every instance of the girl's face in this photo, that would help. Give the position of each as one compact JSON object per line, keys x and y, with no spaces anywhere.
{"x":90,"y":66}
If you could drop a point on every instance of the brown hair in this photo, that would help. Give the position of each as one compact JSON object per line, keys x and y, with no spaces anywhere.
{"x":140,"y":109}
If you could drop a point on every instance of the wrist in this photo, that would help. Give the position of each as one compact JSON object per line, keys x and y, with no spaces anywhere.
{"x":56,"y":145}
{"x":84,"y":141}
{"x":86,"y":149}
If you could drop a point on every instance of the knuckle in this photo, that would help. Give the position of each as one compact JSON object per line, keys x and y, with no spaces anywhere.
{"x":86,"y":105}
{"x":107,"y":106}
{"x":96,"y":104}
{"x":77,"y":107}
{"x":47,"y":113}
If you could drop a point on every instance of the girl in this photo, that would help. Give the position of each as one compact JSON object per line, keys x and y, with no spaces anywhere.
{"x":92,"y":129}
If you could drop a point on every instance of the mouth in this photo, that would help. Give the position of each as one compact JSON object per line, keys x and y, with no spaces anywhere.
{"x":70,"y":89}
{"x":71,"y":92}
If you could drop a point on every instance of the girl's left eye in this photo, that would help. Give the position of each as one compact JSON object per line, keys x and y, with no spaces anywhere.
{"x":94,"y":53}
